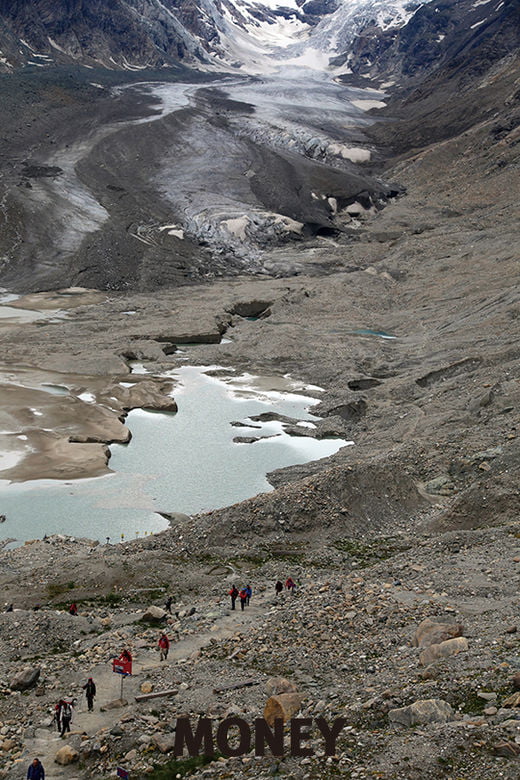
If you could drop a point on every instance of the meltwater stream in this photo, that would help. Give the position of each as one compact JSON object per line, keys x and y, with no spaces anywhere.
{"x":184,"y":462}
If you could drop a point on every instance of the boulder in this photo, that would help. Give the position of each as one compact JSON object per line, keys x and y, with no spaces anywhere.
{"x":422,"y":711}
{"x":66,"y":755}
{"x":432,"y":632}
{"x":164,"y":742}
{"x":512,"y":701}
{"x":283,"y":706}
{"x":276,"y":685}
{"x":146,"y":687}
{"x":25,"y":679}
{"x":443,"y":650}
{"x":154,"y":614}
{"x":506,"y":749}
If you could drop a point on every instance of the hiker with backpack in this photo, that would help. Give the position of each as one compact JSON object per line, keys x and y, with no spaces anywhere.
{"x":164,"y":646}
{"x":233,"y":593}
{"x":278,"y":588}
{"x":249,"y":593}
{"x":90,"y":692}
{"x":66,"y":716}
{"x":243,"y":598}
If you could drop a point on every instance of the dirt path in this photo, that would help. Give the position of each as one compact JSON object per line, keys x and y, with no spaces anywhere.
{"x":47,"y":741}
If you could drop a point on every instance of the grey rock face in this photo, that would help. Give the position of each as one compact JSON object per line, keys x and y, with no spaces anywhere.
{"x":421,"y":712}
{"x":25,"y":679}
{"x":431,"y":632}
{"x":154,"y":614}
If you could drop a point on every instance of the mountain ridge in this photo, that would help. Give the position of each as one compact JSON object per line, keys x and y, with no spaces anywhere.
{"x":128,"y":35}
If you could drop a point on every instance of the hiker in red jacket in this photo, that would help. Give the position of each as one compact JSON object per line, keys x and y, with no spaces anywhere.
{"x":57,"y":714}
{"x":233,"y":593}
{"x":164,"y":646}
{"x":290,"y":584}
{"x":243,"y":598}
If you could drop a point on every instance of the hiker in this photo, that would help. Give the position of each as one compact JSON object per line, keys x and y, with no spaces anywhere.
{"x":36,"y":770}
{"x":233,"y":593}
{"x":168,"y":605}
{"x":125,"y":656}
{"x":290,"y":584}
{"x":90,"y":692}
{"x":66,"y":716}
{"x":57,"y":714}
{"x":73,"y":610}
{"x":164,"y":646}
{"x":249,"y":593}
{"x":278,"y":588}
{"x":243,"y":598}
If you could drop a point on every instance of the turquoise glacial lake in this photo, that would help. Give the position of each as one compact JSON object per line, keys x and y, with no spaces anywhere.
{"x":183,"y":462}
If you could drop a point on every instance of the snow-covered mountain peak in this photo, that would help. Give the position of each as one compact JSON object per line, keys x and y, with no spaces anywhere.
{"x":258,"y":37}
{"x":210,"y":34}
{"x":335,"y":32}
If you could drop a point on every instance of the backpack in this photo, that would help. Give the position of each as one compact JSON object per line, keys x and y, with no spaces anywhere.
{"x":66,"y":711}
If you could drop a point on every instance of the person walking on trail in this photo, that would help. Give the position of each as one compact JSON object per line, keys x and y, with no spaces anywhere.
{"x":164,"y":646}
{"x":249,"y":593}
{"x":57,"y":714}
{"x":290,"y":584}
{"x":278,"y":588}
{"x":168,"y":605}
{"x":90,"y":692}
{"x":233,"y":593}
{"x":66,"y":717}
{"x":36,"y":770}
{"x":73,"y":610}
{"x":243,"y":598}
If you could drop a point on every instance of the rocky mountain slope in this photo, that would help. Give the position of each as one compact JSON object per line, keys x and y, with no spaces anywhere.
{"x":418,"y":521}
{"x":130,"y":35}
{"x":121,"y":34}
{"x":463,"y":36}
{"x":74,"y":148}
{"x":469,"y":74}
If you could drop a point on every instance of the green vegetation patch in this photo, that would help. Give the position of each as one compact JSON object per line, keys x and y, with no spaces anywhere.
{"x":179,"y":767}
{"x":57,"y":588}
{"x":365,"y":553}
